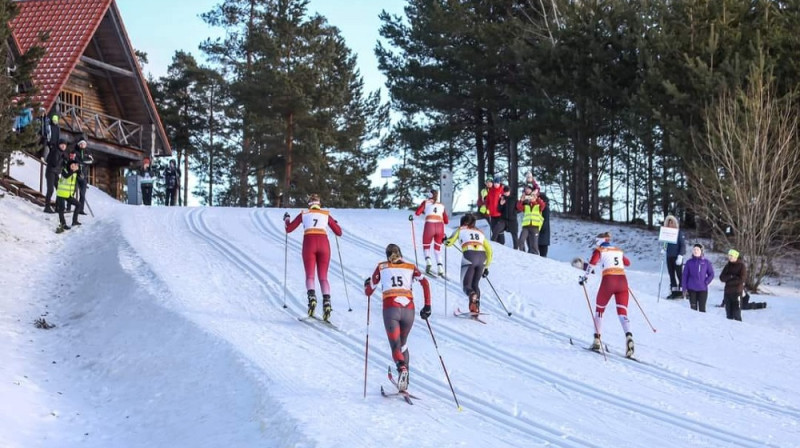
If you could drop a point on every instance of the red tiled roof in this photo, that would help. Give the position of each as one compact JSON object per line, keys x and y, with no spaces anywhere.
{"x":71,"y":24}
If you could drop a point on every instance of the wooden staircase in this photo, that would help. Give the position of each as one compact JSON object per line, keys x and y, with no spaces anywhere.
{"x":18,"y":188}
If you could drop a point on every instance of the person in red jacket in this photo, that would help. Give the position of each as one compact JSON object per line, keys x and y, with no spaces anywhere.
{"x":435,"y":219}
{"x":612,"y":262}
{"x":395,"y":277}
{"x":493,"y":201}
{"x":316,"y":250}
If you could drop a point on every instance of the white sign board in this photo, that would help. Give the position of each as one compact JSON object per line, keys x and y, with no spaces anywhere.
{"x":386,"y":173}
{"x":448,"y":190}
{"x":668,"y":235}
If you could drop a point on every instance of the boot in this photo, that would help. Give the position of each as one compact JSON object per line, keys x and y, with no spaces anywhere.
{"x":428,"y":266}
{"x":312,"y":302}
{"x":629,"y":345}
{"x":474,"y":303}
{"x":48,"y":209}
{"x":441,"y":270}
{"x":402,"y":376}
{"x":326,"y":307}
{"x":596,"y":343}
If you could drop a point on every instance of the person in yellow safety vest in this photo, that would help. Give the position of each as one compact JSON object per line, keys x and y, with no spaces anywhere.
{"x":531,"y":205}
{"x":483,"y":209}
{"x":66,"y":194}
{"x":475,"y":262}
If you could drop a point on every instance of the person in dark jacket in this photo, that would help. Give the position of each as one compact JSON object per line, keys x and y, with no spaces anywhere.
{"x":55,"y":162}
{"x":172,"y":178}
{"x":675,"y":253}
{"x":733,"y":275}
{"x":147,"y":178}
{"x":84,"y":159}
{"x":507,"y":221}
{"x":544,"y":232}
{"x":697,"y":275}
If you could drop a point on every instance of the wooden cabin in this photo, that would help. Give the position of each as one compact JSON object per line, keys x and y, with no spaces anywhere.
{"x":91,"y":78}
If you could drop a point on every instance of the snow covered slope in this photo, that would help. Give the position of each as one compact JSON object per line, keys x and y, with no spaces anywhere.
{"x":173,"y":332}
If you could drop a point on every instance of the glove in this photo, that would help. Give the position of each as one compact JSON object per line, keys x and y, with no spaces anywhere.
{"x":367,"y":283}
{"x":286,"y":215}
{"x":425,"y":312}
{"x":582,"y":280}
{"x":485,"y":272}
{"x":410,"y":217}
{"x":679,"y":260}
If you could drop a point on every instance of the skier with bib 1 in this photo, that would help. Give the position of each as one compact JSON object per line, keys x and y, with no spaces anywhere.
{"x":395,"y":277}
{"x":435,"y":219}
{"x":612,"y":262}
{"x":476,"y":259}
{"x":316,"y":250}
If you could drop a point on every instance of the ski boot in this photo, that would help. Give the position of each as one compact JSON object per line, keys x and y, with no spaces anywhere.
{"x":629,"y":345}
{"x":596,"y":344}
{"x":326,"y":307}
{"x":312,"y":302}
{"x":61,"y":228}
{"x":441,"y":270}
{"x":402,"y":376}
{"x":474,"y":304}
{"x":428,"y":266}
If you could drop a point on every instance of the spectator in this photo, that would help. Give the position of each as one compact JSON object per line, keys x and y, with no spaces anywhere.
{"x":483,"y":209}
{"x":23,"y":118}
{"x":748,"y":305}
{"x":55,"y":131}
{"x":84,"y":159}
{"x":55,"y":161}
{"x":697,"y":275}
{"x":507,"y":221}
{"x":733,"y":274}
{"x":65,"y":194}
{"x":493,"y":200}
{"x":531,"y":205}
{"x":544,"y":233}
{"x":147,"y":178}
{"x":529,"y":180}
{"x":45,"y":134}
{"x":172,"y":178}
{"x":675,"y":254}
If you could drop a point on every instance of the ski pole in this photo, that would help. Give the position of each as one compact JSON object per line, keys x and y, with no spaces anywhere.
{"x":366,"y":347}
{"x":428,"y":321}
{"x":661,"y":270}
{"x":498,"y":296}
{"x":86,"y":203}
{"x":413,"y":239}
{"x":344,"y":280}
{"x":285,"y":265}
{"x":594,"y":322}
{"x":445,"y":281}
{"x":642,"y":310}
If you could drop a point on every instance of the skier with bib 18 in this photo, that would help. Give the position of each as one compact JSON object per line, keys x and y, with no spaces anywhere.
{"x":435,"y":219}
{"x":612,"y":262}
{"x":395,"y":276}
{"x":316,"y":250}
{"x":476,"y":259}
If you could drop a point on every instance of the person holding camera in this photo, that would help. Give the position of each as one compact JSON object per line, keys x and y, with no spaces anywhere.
{"x":507,"y":221}
{"x":65,"y":194}
{"x":532,"y":206}
{"x":84,"y":159}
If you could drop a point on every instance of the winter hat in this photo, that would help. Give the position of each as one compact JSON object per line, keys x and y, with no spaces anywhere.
{"x":62,"y":141}
{"x":54,"y":119}
{"x":529,"y":187}
{"x":489,"y":180}
{"x":313,"y":199}
{"x":506,"y":189}
{"x":733,"y":253}
{"x":432,"y":194}
{"x":699,"y":246}
{"x":81,"y":140}
{"x":498,"y":179}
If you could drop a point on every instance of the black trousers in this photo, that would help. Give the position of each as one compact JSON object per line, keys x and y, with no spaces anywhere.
{"x":674,"y":272}
{"x":499,"y":229}
{"x":172,"y":196}
{"x":147,"y":193}
{"x":697,"y":300}
{"x":543,"y":250}
{"x":51,"y":177}
{"x":733,"y":306}
{"x":61,"y":205}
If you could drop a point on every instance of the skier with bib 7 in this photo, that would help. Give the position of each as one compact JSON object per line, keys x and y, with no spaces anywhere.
{"x":612,"y":262}
{"x":395,"y":277}
{"x":316,"y":250}
{"x":435,"y":220}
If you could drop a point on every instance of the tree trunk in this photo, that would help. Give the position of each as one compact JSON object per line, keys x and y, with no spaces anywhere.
{"x":650,"y":150}
{"x":480,"y":150}
{"x":287,"y":174}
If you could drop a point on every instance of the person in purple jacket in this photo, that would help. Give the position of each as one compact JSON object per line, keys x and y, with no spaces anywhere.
{"x":697,"y":274}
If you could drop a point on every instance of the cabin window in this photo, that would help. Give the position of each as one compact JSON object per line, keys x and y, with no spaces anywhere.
{"x":71,"y":100}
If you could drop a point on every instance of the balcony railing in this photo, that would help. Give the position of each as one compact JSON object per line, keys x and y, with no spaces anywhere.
{"x":101,"y":126}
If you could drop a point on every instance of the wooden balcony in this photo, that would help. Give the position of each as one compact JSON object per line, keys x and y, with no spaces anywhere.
{"x":101,"y":126}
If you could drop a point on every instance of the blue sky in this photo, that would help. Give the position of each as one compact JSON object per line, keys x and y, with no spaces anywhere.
{"x":160,"y":27}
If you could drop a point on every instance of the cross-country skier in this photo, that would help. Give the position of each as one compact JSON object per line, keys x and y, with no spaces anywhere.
{"x":395,"y":277}
{"x":612,"y":263}
{"x":316,"y":250}
{"x":476,"y":260}
{"x":435,"y":219}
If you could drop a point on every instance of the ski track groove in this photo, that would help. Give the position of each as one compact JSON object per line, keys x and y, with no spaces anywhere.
{"x":522,"y":424}
{"x":555,"y":378}
{"x":661,"y":373}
